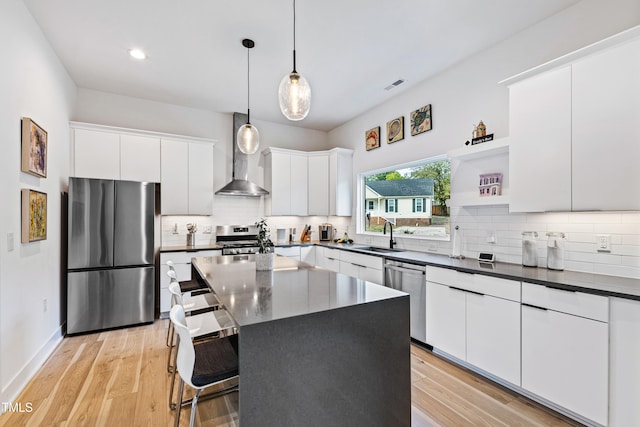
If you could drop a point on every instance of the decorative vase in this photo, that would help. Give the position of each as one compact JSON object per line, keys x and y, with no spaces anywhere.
{"x":264,"y":261}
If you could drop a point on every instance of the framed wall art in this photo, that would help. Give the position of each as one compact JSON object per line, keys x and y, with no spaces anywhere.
{"x":372,"y":138}
{"x":421,"y":120}
{"x":395,"y":130}
{"x":34,"y":148}
{"x":34,"y":215}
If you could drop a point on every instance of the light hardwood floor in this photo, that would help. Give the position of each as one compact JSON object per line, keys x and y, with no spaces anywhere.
{"x":119,"y":378}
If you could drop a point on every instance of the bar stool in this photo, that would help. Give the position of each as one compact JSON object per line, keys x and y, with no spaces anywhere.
{"x":191,"y":285}
{"x":190,"y":302}
{"x":202,"y":365}
{"x":211,"y":324}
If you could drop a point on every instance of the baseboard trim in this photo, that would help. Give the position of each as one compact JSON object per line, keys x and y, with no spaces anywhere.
{"x":17,"y":384}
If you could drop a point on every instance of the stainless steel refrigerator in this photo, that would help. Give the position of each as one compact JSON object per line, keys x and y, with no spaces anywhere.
{"x":111,"y":252}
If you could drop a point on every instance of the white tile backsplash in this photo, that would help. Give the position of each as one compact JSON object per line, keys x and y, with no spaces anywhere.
{"x":476,"y":223}
{"x":580,"y":229}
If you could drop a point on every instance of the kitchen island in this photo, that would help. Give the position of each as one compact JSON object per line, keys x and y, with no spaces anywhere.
{"x":316,"y":347}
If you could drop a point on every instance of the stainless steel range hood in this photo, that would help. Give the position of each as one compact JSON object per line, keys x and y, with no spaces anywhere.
{"x":240,"y":185}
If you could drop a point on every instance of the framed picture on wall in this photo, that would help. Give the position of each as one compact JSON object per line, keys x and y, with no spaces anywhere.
{"x":34,"y":215}
{"x":395,"y":130}
{"x":372,"y":138}
{"x":34,"y":148}
{"x":421,"y":120}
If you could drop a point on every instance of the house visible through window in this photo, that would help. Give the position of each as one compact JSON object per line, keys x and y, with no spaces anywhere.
{"x":411,"y":197}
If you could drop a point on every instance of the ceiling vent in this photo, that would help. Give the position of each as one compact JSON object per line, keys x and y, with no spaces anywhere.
{"x":395,"y":84}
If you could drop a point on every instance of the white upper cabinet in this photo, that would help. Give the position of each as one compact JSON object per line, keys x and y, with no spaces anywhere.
{"x":286,"y":181}
{"x":200,"y":178}
{"x":308,"y":183}
{"x":102,"y":152}
{"x":182,"y":165}
{"x":540,"y":150}
{"x":299,"y":178}
{"x":606,"y":130}
{"x":139,"y":158}
{"x":175,"y":177}
{"x":340,"y":181}
{"x":96,"y":154}
{"x":187,"y":177}
{"x":318,"y":183}
{"x":575,"y":139}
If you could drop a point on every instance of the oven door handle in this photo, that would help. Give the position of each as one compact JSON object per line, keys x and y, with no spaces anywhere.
{"x":405,"y":270}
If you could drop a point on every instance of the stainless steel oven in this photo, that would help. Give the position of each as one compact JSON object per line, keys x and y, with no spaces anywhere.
{"x":410,"y":278}
{"x":237,"y":239}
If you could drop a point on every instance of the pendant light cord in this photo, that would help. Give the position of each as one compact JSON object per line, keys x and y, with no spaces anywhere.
{"x":294,"y":36}
{"x":248,"y":104}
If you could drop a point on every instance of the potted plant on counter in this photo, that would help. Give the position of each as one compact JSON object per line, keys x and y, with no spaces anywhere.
{"x":265,"y":255}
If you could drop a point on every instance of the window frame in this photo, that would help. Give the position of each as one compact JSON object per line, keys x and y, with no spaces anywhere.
{"x":361,"y":211}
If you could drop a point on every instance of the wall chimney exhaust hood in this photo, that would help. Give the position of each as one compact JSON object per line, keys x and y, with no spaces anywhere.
{"x":240,"y":185}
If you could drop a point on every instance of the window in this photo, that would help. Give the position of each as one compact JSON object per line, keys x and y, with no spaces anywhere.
{"x":412,"y":197}
{"x":418,"y":205}
{"x":391,"y":205}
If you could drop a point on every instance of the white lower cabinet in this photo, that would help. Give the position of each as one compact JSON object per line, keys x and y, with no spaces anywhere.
{"x":308,"y":254}
{"x":475,"y":318}
{"x":493,"y":336}
{"x":446,"y":319}
{"x":328,"y":258}
{"x":182,"y":264}
{"x":565,"y":339}
{"x":624,"y":362}
{"x":365,"y":267}
{"x":288,"y":251}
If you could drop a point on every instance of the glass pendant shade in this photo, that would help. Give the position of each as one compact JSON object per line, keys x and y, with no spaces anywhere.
{"x":294,"y":95}
{"x":248,"y":138}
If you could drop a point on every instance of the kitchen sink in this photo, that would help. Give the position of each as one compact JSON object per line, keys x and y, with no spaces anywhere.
{"x":377,"y":249}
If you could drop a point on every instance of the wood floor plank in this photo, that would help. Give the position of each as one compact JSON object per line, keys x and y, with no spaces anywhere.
{"x":497,"y":392}
{"x":119,"y":377}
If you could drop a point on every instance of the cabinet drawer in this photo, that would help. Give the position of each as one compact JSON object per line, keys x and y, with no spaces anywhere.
{"x":290,"y":251}
{"x":361,"y":260}
{"x":444,"y":276}
{"x":577,"y":303}
{"x":184,"y":257}
{"x":497,"y":287}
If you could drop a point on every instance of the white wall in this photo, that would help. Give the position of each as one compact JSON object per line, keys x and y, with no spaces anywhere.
{"x":467,"y":93}
{"x":33,"y":83}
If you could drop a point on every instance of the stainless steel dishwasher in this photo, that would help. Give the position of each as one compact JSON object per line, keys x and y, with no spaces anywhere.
{"x":410,"y":278}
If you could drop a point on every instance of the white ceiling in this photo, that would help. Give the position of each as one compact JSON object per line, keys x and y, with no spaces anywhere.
{"x":349,"y":50}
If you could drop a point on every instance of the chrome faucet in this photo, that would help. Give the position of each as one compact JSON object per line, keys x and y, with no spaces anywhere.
{"x":384,"y":231}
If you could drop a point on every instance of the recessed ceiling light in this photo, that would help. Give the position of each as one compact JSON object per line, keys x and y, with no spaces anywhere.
{"x":137,"y":53}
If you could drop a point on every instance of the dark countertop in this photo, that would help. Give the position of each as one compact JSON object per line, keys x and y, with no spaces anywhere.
{"x":599,"y":284}
{"x":183,"y":248}
{"x":292,"y":289}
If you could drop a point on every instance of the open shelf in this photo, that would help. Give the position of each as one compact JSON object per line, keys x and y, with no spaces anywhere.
{"x":472,"y":199}
{"x":468,"y":163}
{"x":478,"y":151}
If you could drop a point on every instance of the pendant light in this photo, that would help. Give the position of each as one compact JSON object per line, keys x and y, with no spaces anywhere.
{"x":294,"y":92}
{"x":248,"y":138}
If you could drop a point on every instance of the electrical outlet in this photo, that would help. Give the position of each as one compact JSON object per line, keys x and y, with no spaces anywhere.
{"x":175,"y":228}
{"x":603,"y":242}
{"x":432,"y":247}
{"x":44,"y":305}
{"x":207,"y":229}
